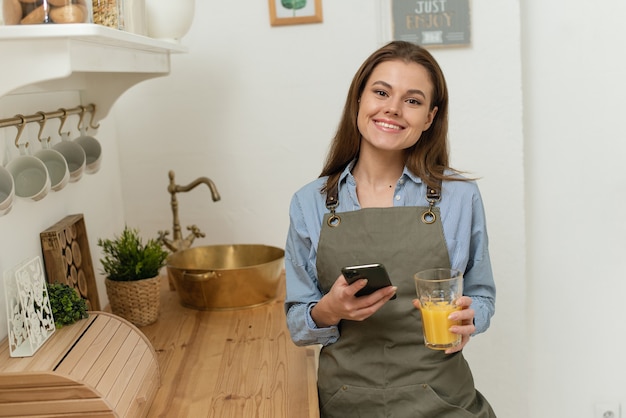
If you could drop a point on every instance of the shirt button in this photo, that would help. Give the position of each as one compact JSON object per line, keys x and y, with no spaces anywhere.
{"x":397,"y":197}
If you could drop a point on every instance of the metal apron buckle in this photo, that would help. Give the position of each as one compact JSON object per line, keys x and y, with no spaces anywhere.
{"x":432,"y":196}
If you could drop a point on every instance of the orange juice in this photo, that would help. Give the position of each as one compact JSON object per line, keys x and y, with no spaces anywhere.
{"x":436,"y":325}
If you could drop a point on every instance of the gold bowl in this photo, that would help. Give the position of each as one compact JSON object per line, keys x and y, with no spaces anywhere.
{"x":218,"y":277}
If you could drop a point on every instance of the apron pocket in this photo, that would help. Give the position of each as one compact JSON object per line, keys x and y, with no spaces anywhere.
{"x":443,"y":409}
{"x":354,"y":402}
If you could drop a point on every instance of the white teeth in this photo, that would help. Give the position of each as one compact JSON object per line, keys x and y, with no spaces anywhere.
{"x":388,"y":125}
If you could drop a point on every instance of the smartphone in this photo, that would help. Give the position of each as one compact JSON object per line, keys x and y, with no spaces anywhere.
{"x":376,"y":276}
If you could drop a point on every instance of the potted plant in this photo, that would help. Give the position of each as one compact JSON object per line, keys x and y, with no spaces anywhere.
{"x":66,"y":304}
{"x":132,"y":276}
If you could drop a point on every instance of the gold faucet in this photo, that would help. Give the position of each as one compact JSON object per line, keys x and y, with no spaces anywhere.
{"x":178,"y":243}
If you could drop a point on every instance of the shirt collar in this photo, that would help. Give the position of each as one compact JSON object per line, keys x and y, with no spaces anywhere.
{"x":406,"y":173}
{"x":346,"y":171}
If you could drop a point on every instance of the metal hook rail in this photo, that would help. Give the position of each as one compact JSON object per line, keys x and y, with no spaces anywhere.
{"x":61,"y":113}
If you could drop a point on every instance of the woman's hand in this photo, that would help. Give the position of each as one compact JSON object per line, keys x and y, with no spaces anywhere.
{"x":340,"y":303}
{"x":465,"y":315}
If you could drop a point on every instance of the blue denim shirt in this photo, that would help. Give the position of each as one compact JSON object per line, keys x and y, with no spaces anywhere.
{"x":464,"y":228}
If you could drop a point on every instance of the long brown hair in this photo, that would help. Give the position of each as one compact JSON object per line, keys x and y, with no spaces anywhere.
{"x":428,"y":158}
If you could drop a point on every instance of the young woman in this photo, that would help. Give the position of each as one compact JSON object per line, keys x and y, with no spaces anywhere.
{"x":388,"y":167}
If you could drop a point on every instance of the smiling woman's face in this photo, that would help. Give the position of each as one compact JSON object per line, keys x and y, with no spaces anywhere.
{"x":394,"y":108}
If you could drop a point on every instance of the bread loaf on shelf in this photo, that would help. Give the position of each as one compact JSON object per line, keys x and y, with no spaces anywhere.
{"x":29,"y":12}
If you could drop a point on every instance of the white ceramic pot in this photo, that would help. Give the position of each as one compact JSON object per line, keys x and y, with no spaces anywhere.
{"x":135,"y":17}
{"x":169,"y":19}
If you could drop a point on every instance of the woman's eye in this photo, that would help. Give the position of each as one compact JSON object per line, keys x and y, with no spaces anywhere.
{"x":380,"y":93}
{"x":414,"y":102}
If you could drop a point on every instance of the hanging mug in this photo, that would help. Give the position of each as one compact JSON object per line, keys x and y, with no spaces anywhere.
{"x":93,"y":151}
{"x":30,"y":175}
{"x":7,"y":191}
{"x":91,"y":146}
{"x":73,"y":153}
{"x":55,"y":162}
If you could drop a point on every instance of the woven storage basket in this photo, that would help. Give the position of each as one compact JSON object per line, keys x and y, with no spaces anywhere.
{"x":136,"y":301}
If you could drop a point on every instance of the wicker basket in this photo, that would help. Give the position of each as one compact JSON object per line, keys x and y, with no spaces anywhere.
{"x":136,"y":301}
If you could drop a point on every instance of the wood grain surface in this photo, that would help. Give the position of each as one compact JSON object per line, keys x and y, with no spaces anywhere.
{"x":230,"y":364}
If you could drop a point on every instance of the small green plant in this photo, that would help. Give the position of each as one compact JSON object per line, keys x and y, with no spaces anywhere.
{"x":293,"y":5}
{"x":67,"y":305}
{"x":126,"y":258}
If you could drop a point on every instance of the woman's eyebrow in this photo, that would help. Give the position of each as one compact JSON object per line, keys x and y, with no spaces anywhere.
{"x":388,"y":86}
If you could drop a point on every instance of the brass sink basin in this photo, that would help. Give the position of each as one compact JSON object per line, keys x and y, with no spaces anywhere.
{"x":226,"y":276}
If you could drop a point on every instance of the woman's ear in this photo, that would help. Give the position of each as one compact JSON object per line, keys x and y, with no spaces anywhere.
{"x":431,"y":118}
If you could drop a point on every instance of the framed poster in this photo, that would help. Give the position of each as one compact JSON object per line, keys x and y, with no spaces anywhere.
{"x":294,"y":12}
{"x":431,"y":22}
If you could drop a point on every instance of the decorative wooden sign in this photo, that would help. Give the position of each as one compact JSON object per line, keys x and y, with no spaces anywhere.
{"x":67,"y":258}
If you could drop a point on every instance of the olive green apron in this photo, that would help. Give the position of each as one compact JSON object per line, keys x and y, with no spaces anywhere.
{"x":379,"y":367}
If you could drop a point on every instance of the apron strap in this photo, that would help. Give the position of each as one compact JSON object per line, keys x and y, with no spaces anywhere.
{"x":433,"y":195}
{"x":332,"y":201}
{"x":332,"y":198}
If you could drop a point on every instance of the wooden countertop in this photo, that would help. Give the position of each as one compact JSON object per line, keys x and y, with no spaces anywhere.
{"x":230,"y":364}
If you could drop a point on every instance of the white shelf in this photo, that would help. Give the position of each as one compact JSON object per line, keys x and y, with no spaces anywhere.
{"x":98,"y":61}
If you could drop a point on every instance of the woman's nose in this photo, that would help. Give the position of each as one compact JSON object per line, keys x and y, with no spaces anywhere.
{"x":392,"y":110}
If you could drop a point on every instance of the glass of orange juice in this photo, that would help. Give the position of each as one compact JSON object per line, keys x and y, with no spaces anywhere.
{"x":437,"y":290}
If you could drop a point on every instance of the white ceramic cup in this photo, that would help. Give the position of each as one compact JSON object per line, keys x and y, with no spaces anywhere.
{"x":30,"y":176}
{"x":58,"y":169}
{"x":93,"y":152}
{"x":7,"y":191}
{"x":74,"y":155}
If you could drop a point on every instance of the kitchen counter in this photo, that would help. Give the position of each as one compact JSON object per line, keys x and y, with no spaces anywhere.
{"x":236,"y":363}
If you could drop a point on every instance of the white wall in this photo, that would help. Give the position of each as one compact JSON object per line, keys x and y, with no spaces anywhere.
{"x":254,"y":107}
{"x":575,"y":140}
{"x":98,"y":197}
